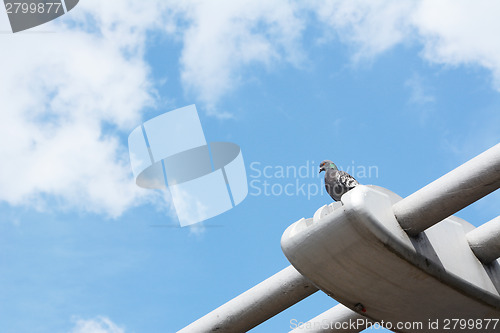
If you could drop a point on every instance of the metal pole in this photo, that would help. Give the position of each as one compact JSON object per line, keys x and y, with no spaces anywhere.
{"x":256,"y":305}
{"x":485,"y":241}
{"x":338,"y":319}
{"x":422,"y":209}
{"x":450,"y":193}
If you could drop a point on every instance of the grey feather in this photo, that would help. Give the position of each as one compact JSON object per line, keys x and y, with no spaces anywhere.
{"x":337,"y":182}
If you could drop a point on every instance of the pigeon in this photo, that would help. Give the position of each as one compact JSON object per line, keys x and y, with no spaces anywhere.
{"x":337,"y":182}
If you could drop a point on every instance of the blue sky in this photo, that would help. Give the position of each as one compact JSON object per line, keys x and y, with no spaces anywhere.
{"x":410,"y":89}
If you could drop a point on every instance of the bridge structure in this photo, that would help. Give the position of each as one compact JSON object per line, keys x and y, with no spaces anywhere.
{"x":387,"y":259}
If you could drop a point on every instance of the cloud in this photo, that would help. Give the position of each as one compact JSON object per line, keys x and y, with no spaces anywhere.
{"x":221,"y":42}
{"x":223,"y":39}
{"x":122,"y":24}
{"x":70,"y":96}
{"x":419,"y":91}
{"x":96,"y":325}
{"x":421,"y":97}
{"x":466,"y":35}
{"x":371,"y":27}
{"x":67,"y":96}
{"x":451,"y":33}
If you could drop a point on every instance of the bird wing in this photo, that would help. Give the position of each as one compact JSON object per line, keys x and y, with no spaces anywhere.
{"x":348,"y":180}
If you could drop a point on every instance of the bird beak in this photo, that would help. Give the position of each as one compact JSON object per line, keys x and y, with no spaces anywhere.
{"x":320,"y":169}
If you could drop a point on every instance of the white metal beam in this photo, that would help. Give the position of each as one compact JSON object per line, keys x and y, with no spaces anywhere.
{"x":359,"y":254}
{"x":447,"y":195}
{"x":256,"y":305}
{"x":485,"y":241}
{"x":338,"y":319}
{"x":417,"y":212}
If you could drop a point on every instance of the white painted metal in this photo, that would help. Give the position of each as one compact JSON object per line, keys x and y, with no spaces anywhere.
{"x":256,"y":305}
{"x":485,"y":241}
{"x":450,"y":193}
{"x":337,"y":319}
{"x":358,"y":253}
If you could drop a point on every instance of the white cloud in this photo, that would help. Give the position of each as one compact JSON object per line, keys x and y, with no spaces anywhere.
{"x":221,"y":40}
{"x":225,"y":37}
{"x":372,"y":27}
{"x":419,"y":90}
{"x":63,"y":91}
{"x":60,"y":92}
{"x":420,"y":96}
{"x":96,"y":325}
{"x":451,"y":32}
{"x":124,"y":23}
{"x":461,"y":33}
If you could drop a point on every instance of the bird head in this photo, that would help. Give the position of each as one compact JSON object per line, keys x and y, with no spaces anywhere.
{"x":327,"y":164}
